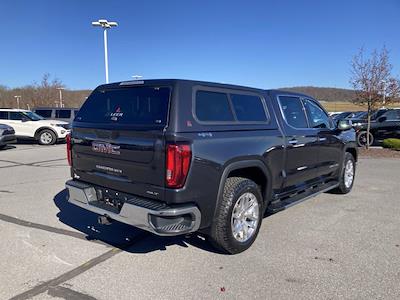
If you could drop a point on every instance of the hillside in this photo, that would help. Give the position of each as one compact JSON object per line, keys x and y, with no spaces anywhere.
{"x":324,"y":93}
{"x":33,"y":96}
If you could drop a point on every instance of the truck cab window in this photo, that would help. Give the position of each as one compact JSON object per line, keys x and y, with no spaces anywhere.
{"x":293,"y":111}
{"x":316,"y":115}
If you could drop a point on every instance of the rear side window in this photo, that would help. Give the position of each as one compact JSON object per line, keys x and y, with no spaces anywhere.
{"x":293,"y":112}
{"x":63,"y":114}
{"x":126,"y":106}
{"x":213,"y":107}
{"x":248,"y":108}
{"x":3,"y":115}
{"x":45,"y":113}
{"x":15,"y":116}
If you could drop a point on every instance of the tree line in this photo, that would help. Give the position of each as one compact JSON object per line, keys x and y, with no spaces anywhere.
{"x":43,"y":93}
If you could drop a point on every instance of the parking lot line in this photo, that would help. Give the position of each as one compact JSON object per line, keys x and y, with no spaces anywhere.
{"x":43,"y":287}
{"x":33,"y":164}
{"x":70,"y":233}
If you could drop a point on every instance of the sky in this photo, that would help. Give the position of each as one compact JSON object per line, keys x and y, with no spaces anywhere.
{"x":264,"y":44}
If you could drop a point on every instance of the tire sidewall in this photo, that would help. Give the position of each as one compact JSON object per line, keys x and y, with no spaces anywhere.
{"x":348,"y":157}
{"x":371,"y":140}
{"x":53,"y":141}
{"x":249,"y":187}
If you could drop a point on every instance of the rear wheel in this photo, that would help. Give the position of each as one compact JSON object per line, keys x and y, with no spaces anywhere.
{"x":47,"y":137}
{"x":362,"y":139}
{"x":238,"y":216}
{"x":346,"y":179}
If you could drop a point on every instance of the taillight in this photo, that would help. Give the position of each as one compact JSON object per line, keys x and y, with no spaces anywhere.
{"x":68,"y":140}
{"x":178,"y":164}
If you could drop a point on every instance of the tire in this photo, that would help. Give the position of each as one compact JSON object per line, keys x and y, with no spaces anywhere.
{"x":47,"y":137}
{"x":2,"y":147}
{"x":362,"y":139}
{"x":238,"y":193}
{"x":346,"y":186}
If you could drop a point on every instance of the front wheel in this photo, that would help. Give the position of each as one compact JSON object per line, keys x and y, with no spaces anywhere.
{"x":346,"y":179}
{"x":238,"y":216}
{"x":47,"y":137}
{"x":362,"y":139}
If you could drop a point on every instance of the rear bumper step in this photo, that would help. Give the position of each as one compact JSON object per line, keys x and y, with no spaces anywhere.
{"x":139,"y":212}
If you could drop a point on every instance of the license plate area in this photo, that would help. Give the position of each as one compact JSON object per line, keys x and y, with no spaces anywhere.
{"x":109,"y":200}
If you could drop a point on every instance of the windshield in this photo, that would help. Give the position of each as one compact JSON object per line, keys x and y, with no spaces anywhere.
{"x":32,"y":116}
{"x":127,"y":106}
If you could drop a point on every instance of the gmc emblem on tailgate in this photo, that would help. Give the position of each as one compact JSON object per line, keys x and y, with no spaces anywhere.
{"x":105,"y":148}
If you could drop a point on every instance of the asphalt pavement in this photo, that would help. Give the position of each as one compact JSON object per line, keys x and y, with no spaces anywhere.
{"x":328,"y":247}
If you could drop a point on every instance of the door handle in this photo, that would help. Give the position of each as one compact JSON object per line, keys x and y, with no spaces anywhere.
{"x":293,"y":142}
{"x":322,"y":139}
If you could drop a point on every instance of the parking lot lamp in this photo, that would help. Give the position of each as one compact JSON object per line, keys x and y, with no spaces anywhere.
{"x":136,"y":77}
{"x":105,"y":25}
{"x":18,"y":98}
{"x":60,"y":90}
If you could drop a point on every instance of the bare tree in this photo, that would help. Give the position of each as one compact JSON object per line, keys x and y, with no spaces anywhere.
{"x":46,"y":91}
{"x":373,"y":82}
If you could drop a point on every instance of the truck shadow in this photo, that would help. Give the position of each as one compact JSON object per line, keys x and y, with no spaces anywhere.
{"x":118,"y":234}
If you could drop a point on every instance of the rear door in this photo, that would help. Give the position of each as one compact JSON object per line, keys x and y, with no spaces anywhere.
{"x":118,"y":139}
{"x":301,"y":142}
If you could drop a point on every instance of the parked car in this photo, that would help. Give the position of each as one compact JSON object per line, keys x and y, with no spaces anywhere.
{"x":28,"y":125}
{"x":360,"y":115}
{"x":55,"y":113}
{"x":176,"y":156}
{"x":7,"y":135}
{"x":385,"y":123}
{"x":341,"y":116}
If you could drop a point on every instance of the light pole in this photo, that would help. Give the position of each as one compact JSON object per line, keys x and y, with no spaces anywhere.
{"x":60,"y":90}
{"x":384,"y":93}
{"x":17,"y":98}
{"x":105,"y":25}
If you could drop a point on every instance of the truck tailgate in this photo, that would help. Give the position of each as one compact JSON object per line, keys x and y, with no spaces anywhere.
{"x":128,"y":161}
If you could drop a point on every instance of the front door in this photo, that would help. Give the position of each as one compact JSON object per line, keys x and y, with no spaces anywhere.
{"x":20,"y":123}
{"x":301,"y":143}
{"x":330,"y":149}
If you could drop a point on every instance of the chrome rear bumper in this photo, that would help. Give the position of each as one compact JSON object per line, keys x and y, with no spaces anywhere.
{"x":163,"y":220}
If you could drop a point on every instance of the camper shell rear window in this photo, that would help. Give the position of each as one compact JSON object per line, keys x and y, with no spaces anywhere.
{"x":142,"y":106}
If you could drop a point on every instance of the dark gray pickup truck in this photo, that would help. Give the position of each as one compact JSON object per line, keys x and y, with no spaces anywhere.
{"x":178,"y":156}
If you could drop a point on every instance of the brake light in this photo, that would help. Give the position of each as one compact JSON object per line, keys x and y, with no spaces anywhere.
{"x":68,"y":140}
{"x":178,"y":164}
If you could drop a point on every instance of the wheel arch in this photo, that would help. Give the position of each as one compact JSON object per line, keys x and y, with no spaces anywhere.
{"x":353,"y":151}
{"x":40,"y":129}
{"x":254,"y":170}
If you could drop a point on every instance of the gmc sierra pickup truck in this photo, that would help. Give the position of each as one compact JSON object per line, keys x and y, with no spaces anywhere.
{"x":177,"y":156}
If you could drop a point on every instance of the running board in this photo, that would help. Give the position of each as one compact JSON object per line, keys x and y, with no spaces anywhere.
{"x":300,"y":197}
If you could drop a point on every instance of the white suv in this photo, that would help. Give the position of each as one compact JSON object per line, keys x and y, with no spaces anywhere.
{"x":27,"y":124}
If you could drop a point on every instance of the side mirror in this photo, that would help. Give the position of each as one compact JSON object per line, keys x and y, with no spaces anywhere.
{"x":344,"y":125}
{"x":24,"y":119}
{"x":382,"y":119}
